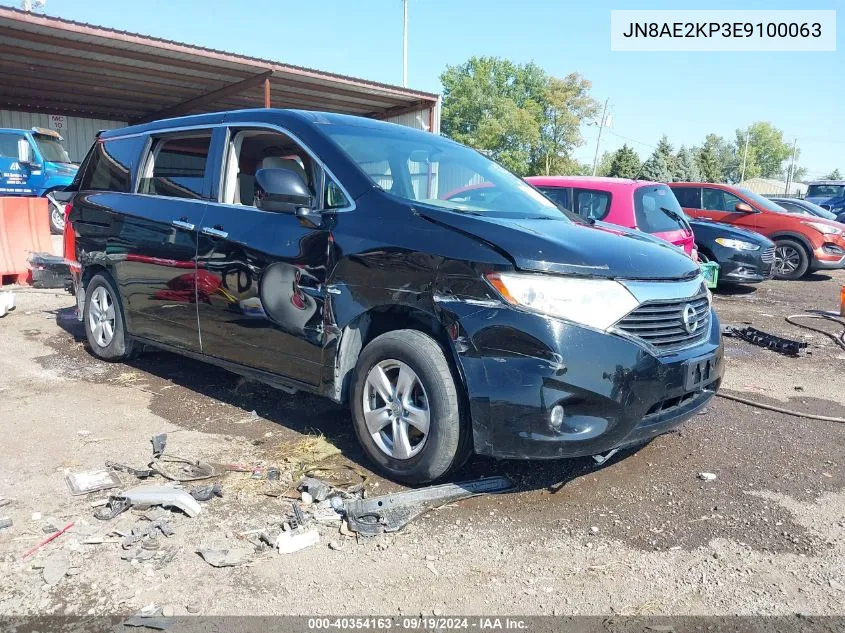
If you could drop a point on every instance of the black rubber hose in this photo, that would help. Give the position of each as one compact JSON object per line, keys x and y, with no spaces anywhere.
{"x":771,"y":407}
{"x":839,"y":339}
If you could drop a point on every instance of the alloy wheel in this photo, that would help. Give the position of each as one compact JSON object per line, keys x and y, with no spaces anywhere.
{"x":396,"y":409}
{"x":787,"y":260}
{"x":101,"y":320}
{"x":57,"y":214}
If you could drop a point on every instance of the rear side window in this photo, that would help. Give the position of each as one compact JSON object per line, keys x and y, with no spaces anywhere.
{"x":176,"y":166}
{"x":657,"y":209}
{"x":109,"y":165}
{"x":719,"y":200}
{"x":591,"y":204}
{"x":688,"y":197}
{"x":558,"y":195}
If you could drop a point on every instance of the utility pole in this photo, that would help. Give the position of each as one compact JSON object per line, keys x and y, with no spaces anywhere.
{"x":791,"y":173}
{"x":405,"y":44}
{"x":744,"y":155}
{"x":598,"y":140}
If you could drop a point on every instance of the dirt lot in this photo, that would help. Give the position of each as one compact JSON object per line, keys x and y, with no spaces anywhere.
{"x":641,"y":535}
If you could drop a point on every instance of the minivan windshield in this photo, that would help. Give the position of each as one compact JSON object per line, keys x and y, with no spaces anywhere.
{"x":657,"y":209}
{"x":761,"y":202}
{"x":429,"y":169}
{"x":51,"y":149}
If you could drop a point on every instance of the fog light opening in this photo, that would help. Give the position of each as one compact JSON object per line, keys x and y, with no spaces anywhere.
{"x":556,"y":417}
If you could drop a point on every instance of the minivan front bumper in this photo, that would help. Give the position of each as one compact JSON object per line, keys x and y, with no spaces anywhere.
{"x":519,"y":366}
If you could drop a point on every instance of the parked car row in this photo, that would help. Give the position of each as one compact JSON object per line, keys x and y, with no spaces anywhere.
{"x":751,"y":237}
{"x":452,"y":306}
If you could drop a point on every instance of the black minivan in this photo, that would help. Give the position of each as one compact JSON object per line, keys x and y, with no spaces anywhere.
{"x":328,"y":253}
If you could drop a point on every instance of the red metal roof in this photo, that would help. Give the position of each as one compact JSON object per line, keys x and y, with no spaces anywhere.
{"x":54,"y":65}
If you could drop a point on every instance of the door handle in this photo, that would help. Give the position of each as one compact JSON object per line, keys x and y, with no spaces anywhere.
{"x":182,"y":224}
{"x":213,"y":232}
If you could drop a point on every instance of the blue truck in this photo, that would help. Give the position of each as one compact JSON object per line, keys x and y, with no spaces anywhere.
{"x":829,"y":194}
{"x":35,"y":163}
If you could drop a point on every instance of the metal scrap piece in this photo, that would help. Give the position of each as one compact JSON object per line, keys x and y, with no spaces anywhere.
{"x":189,"y":470}
{"x":391,"y":513}
{"x":766,"y":340}
{"x":163,"y":496}
{"x":159,"y":443}
{"x":207,"y":492}
{"x":319,"y":490}
{"x":226,"y":557}
{"x":140,"y":473}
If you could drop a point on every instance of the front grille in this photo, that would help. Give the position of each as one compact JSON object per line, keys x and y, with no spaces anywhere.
{"x":768,"y":255}
{"x":662,"y":325}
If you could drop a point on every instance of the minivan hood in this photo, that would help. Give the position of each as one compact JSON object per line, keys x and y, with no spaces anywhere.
{"x":565,"y":247}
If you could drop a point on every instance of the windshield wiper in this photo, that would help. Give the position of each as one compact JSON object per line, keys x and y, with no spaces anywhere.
{"x":677,"y":217}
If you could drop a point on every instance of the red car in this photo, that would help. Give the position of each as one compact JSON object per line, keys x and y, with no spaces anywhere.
{"x":803,"y":244}
{"x":635,"y":204}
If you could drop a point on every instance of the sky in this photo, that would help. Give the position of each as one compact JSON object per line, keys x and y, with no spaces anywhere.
{"x":683,"y":95}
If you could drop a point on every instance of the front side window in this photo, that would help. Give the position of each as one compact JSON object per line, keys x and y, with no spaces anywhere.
{"x":176,"y":166}
{"x":657,"y":210}
{"x":51,"y":148}
{"x":9,"y":145}
{"x":719,"y":200}
{"x":252,"y":150}
{"x":757,"y":199}
{"x":109,"y":165}
{"x":424,"y":168}
{"x":591,"y":205}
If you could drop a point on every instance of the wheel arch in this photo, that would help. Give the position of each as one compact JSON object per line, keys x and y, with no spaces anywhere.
{"x":795,"y":237}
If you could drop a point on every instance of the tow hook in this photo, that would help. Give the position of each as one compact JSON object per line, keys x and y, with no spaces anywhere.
{"x":601,"y":459}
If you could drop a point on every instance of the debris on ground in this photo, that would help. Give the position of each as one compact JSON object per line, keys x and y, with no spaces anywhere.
{"x":150,"y":617}
{"x":146,"y":496}
{"x":5,"y":522}
{"x":159,"y":443}
{"x":226,"y":557}
{"x":318,"y":490}
{"x":5,"y":502}
{"x":183,"y":470}
{"x":391,"y":513}
{"x":94,"y":481}
{"x":55,"y":568}
{"x":707,"y":476}
{"x":207,"y":492}
{"x":7,"y":303}
{"x":757,"y":337}
{"x":296,"y":540}
{"x":52,"y":537}
{"x":140,"y":473}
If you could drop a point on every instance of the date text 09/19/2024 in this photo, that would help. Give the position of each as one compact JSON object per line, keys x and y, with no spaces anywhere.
{"x":424,"y":623}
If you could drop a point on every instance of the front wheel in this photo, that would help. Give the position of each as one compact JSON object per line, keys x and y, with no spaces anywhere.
{"x":57,"y":215}
{"x":791,"y":260}
{"x":406,"y":408}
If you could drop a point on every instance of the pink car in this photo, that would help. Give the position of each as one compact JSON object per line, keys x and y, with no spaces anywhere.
{"x":650,"y":207}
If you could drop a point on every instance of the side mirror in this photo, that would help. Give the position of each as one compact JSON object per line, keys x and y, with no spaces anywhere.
{"x":282,"y":190}
{"x":24,"y":151}
{"x":741,"y":207}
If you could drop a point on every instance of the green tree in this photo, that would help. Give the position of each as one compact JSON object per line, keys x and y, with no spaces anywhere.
{"x":715,"y":159}
{"x":834,"y":175}
{"x":766,"y":152}
{"x":603,"y":168}
{"x":495,"y":105}
{"x":686,"y":168}
{"x":566,"y":103}
{"x":624,"y":163}
{"x":661,"y":165}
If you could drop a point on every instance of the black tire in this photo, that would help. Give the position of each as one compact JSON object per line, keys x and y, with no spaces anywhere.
{"x":57,"y":217}
{"x":119,"y":346}
{"x":795,"y":254}
{"x":446,"y":446}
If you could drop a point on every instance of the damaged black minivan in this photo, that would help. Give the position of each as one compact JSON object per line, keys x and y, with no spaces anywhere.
{"x":450,"y":304}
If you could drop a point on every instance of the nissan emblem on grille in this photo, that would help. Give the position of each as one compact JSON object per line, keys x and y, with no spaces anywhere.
{"x":669,"y":325}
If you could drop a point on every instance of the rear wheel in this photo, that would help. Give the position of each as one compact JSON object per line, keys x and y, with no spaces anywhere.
{"x":406,"y":408}
{"x":791,"y":260}
{"x":103,"y":317}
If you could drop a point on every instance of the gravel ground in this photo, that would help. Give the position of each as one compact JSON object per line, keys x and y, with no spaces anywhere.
{"x":640,"y":535}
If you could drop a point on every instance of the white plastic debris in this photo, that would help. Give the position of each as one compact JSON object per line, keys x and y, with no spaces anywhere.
{"x":7,"y":303}
{"x":706,"y":476}
{"x":295,"y":540}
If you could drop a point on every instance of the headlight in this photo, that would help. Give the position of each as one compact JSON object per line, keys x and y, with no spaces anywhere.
{"x":824,"y":228}
{"x":598,"y":303}
{"x":727,"y":242}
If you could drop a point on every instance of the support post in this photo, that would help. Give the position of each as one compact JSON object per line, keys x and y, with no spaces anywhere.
{"x":266,"y":92}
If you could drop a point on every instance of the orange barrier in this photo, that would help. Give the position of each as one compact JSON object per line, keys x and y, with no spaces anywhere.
{"x":24,"y":228}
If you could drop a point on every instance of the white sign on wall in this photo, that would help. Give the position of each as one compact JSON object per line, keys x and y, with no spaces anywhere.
{"x":58,"y":122}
